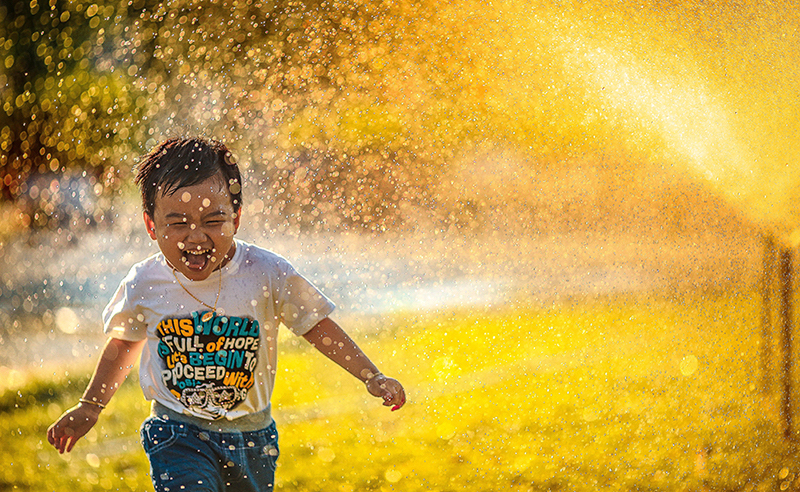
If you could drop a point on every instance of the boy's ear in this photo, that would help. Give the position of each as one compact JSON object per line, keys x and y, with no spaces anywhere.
{"x":150,"y":225}
{"x":236,"y":220}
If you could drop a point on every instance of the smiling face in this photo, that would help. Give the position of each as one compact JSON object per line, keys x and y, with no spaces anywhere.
{"x":194,"y":227}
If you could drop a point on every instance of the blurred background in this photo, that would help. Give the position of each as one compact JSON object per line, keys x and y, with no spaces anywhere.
{"x":406,"y":156}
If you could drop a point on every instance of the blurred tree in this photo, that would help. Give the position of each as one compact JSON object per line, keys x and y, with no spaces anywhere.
{"x":68,"y":102}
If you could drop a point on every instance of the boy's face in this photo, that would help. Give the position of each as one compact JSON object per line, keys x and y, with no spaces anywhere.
{"x":194,"y":227}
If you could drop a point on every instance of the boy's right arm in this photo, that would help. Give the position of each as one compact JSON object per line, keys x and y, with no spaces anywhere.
{"x":115,"y":363}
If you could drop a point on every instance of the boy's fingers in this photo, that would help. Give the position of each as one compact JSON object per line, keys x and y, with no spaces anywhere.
{"x":393,"y":394}
{"x":54,"y":437}
{"x":61,"y":439}
{"x":396,"y":398}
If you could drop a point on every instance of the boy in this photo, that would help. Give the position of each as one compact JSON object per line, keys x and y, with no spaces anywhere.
{"x":204,"y":315}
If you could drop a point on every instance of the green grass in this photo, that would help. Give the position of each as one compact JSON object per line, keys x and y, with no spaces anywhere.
{"x":607,"y":394}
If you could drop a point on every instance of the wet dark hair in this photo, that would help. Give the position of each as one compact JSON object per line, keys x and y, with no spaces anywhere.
{"x":180,"y":162}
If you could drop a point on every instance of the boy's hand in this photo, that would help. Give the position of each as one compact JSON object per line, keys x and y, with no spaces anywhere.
{"x":387,"y":388}
{"x":71,"y":426}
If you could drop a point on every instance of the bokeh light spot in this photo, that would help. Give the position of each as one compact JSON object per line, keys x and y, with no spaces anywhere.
{"x":688,"y":365}
{"x":66,"y":320}
{"x":393,"y":476}
{"x":93,"y":460}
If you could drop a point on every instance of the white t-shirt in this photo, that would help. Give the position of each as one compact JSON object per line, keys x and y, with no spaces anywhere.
{"x":223,"y":367}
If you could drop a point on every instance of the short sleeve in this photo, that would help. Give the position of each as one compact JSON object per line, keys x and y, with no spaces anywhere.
{"x":123,"y":319}
{"x":303,"y":305}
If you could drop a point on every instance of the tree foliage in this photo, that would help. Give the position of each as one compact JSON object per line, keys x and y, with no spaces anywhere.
{"x":68,"y":102}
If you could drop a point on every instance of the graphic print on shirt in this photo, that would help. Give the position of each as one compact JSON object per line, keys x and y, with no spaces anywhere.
{"x":208,"y":365}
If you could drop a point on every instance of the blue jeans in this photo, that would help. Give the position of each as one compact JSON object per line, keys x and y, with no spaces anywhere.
{"x":184,"y":457}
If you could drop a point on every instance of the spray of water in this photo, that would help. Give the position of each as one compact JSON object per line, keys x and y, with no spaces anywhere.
{"x":697,"y":88}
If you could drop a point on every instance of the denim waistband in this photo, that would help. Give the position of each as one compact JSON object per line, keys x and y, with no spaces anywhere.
{"x":248,"y":423}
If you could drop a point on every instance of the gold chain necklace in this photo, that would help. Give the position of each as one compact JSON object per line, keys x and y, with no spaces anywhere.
{"x":207,"y":316}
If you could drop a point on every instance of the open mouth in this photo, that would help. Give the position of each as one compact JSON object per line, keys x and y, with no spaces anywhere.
{"x":197,"y":259}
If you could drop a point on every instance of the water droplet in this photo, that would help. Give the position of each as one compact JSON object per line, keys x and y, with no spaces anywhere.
{"x":688,"y":365}
{"x":326,"y":454}
{"x":66,"y":320}
{"x":393,"y":476}
{"x":446,"y":430}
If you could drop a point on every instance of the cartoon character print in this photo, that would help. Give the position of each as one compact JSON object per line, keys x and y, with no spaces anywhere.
{"x":208,"y":365}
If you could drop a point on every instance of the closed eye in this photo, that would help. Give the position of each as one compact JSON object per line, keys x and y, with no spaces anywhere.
{"x":215,"y":218}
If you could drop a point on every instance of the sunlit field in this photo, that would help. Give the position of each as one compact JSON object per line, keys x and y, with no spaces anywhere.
{"x":589,"y":394}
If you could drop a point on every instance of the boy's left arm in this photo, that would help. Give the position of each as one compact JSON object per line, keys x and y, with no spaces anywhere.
{"x":334,"y":343}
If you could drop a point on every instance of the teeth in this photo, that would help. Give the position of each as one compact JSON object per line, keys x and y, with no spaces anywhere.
{"x":196,"y":252}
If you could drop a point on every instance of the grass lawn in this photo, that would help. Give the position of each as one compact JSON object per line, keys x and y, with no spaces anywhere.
{"x":603,"y":394}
